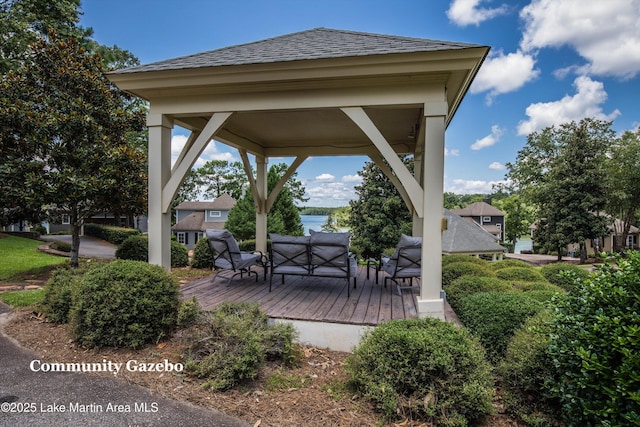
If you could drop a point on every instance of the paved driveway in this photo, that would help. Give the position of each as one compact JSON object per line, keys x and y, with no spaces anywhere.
{"x":90,"y":247}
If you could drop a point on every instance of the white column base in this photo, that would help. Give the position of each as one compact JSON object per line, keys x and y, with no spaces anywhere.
{"x":431,"y":308}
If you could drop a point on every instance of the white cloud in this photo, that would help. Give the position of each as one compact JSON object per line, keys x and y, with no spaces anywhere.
{"x":497,"y":166}
{"x":586,"y":102}
{"x":463,"y":186}
{"x":469,"y":12}
{"x":502,"y":73}
{"x":333,"y":194}
{"x":489,"y":140}
{"x":210,"y":152}
{"x":605,"y":34}
{"x":325,"y":177}
{"x":453,"y":152}
{"x":352,"y":178}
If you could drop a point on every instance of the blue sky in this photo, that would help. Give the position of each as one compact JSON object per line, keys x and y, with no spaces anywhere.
{"x":551,"y":61}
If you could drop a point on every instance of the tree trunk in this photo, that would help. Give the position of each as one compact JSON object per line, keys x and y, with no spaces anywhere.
{"x":76,"y":224}
{"x":583,"y":253}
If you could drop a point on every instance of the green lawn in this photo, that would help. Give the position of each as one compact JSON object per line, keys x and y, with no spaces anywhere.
{"x":19,"y":255}
{"x":22,"y":298}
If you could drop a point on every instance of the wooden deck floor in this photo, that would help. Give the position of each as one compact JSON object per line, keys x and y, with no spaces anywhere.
{"x":318,"y":299}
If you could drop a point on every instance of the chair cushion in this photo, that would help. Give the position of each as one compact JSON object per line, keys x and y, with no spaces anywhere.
{"x":221,"y":240}
{"x":408,"y":247}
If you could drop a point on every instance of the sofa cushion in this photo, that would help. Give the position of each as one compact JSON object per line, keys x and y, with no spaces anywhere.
{"x":329,"y":250}
{"x":289,"y":250}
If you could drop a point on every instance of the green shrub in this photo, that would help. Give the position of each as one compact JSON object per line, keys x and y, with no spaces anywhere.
{"x":179,"y":255}
{"x":232,"y":342}
{"x":248,"y":245}
{"x":494,"y":316}
{"x":525,"y":372}
{"x":526,"y":274}
{"x":467,"y":285}
{"x":595,"y":338}
{"x":115,"y":235}
{"x":564,"y":275}
{"x":544,"y":296}
{"x":58,"y":293}
{"x":423,"y":369}
{"x":452,"y":271}
{"x":59,"y":245}
{"x":505,"y":263}
{"x":202,"y":255}
{"x":449,"y":259}
{"x":136,"y":248}
{"x":189,"y":313}
{"x":124,"y":304}
{"x":536,"y":286}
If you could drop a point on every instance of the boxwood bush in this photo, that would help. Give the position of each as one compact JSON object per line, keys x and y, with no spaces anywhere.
{"x":58,"y":293}
{"x":564,"y":275}
{"x":423,"y":369}
{"x":498,"y":265}
{"x":526,"y":274}
{"x":449,"y":259}
{"x":452,"y":271}
{"x":494,"y":316}
{"x":594,"y":343}
{"x":468,"y":285}
{"x":202,"y":255}
{"x":527,"y":370}
{"x":136,"y":248}
{"x":124,"y":304}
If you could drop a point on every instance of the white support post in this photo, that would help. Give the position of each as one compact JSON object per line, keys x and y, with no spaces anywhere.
{"x":261,"y":209}
{"x":159,"y":172}
{"x":430,"y":302}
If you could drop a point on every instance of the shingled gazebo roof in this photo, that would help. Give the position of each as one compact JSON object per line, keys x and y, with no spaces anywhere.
{"x":318,"y":43}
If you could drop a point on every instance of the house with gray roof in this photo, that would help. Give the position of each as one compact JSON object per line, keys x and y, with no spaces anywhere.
{"x":466,"y":237}
{"x":193,"y":218}
{"x":490,"y":218}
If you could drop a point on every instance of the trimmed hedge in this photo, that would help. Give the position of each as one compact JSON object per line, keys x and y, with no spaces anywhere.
{"x":115,"y":235}
{"x":494,"y":316}
{"x":124,"y":304}
{"x":526,"y":274}
{"x":423,"y":369}
{"x":449,"y":259}
{"x":564,"y":275}
{"x":525,"y":372}
{"x":136,"y":248}
{"x":468,"y":285}
{"x":498,"y":265}
{"x":452,"y":271}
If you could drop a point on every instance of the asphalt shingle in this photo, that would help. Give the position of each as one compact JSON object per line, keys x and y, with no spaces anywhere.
{"x":318,"y":43}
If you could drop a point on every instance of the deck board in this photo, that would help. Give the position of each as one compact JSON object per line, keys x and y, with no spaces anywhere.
{"x":318,"y":299}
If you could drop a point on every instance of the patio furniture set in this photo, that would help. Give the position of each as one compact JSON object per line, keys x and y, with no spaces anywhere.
{"x":319,"y":255}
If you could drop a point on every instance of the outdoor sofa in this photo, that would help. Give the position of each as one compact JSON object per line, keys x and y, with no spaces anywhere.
{"x":320,"y":254}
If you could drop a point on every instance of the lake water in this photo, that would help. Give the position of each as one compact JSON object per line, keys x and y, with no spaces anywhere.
{"x":313,"y":222}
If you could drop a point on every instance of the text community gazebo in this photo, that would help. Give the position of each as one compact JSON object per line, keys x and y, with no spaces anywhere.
{"x":321,"y":92}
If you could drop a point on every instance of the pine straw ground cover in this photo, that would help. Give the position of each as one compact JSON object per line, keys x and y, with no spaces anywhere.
{"x":312,"y":394}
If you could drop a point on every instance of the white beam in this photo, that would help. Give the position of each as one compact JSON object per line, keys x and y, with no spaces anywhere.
{"x":283,"y":180}
{"x":189,"y":158}
{"x":261,"y":215}
{"x":415,"y":192}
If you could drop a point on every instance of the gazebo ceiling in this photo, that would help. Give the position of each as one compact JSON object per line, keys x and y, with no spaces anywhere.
{"x":286,"y":92}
